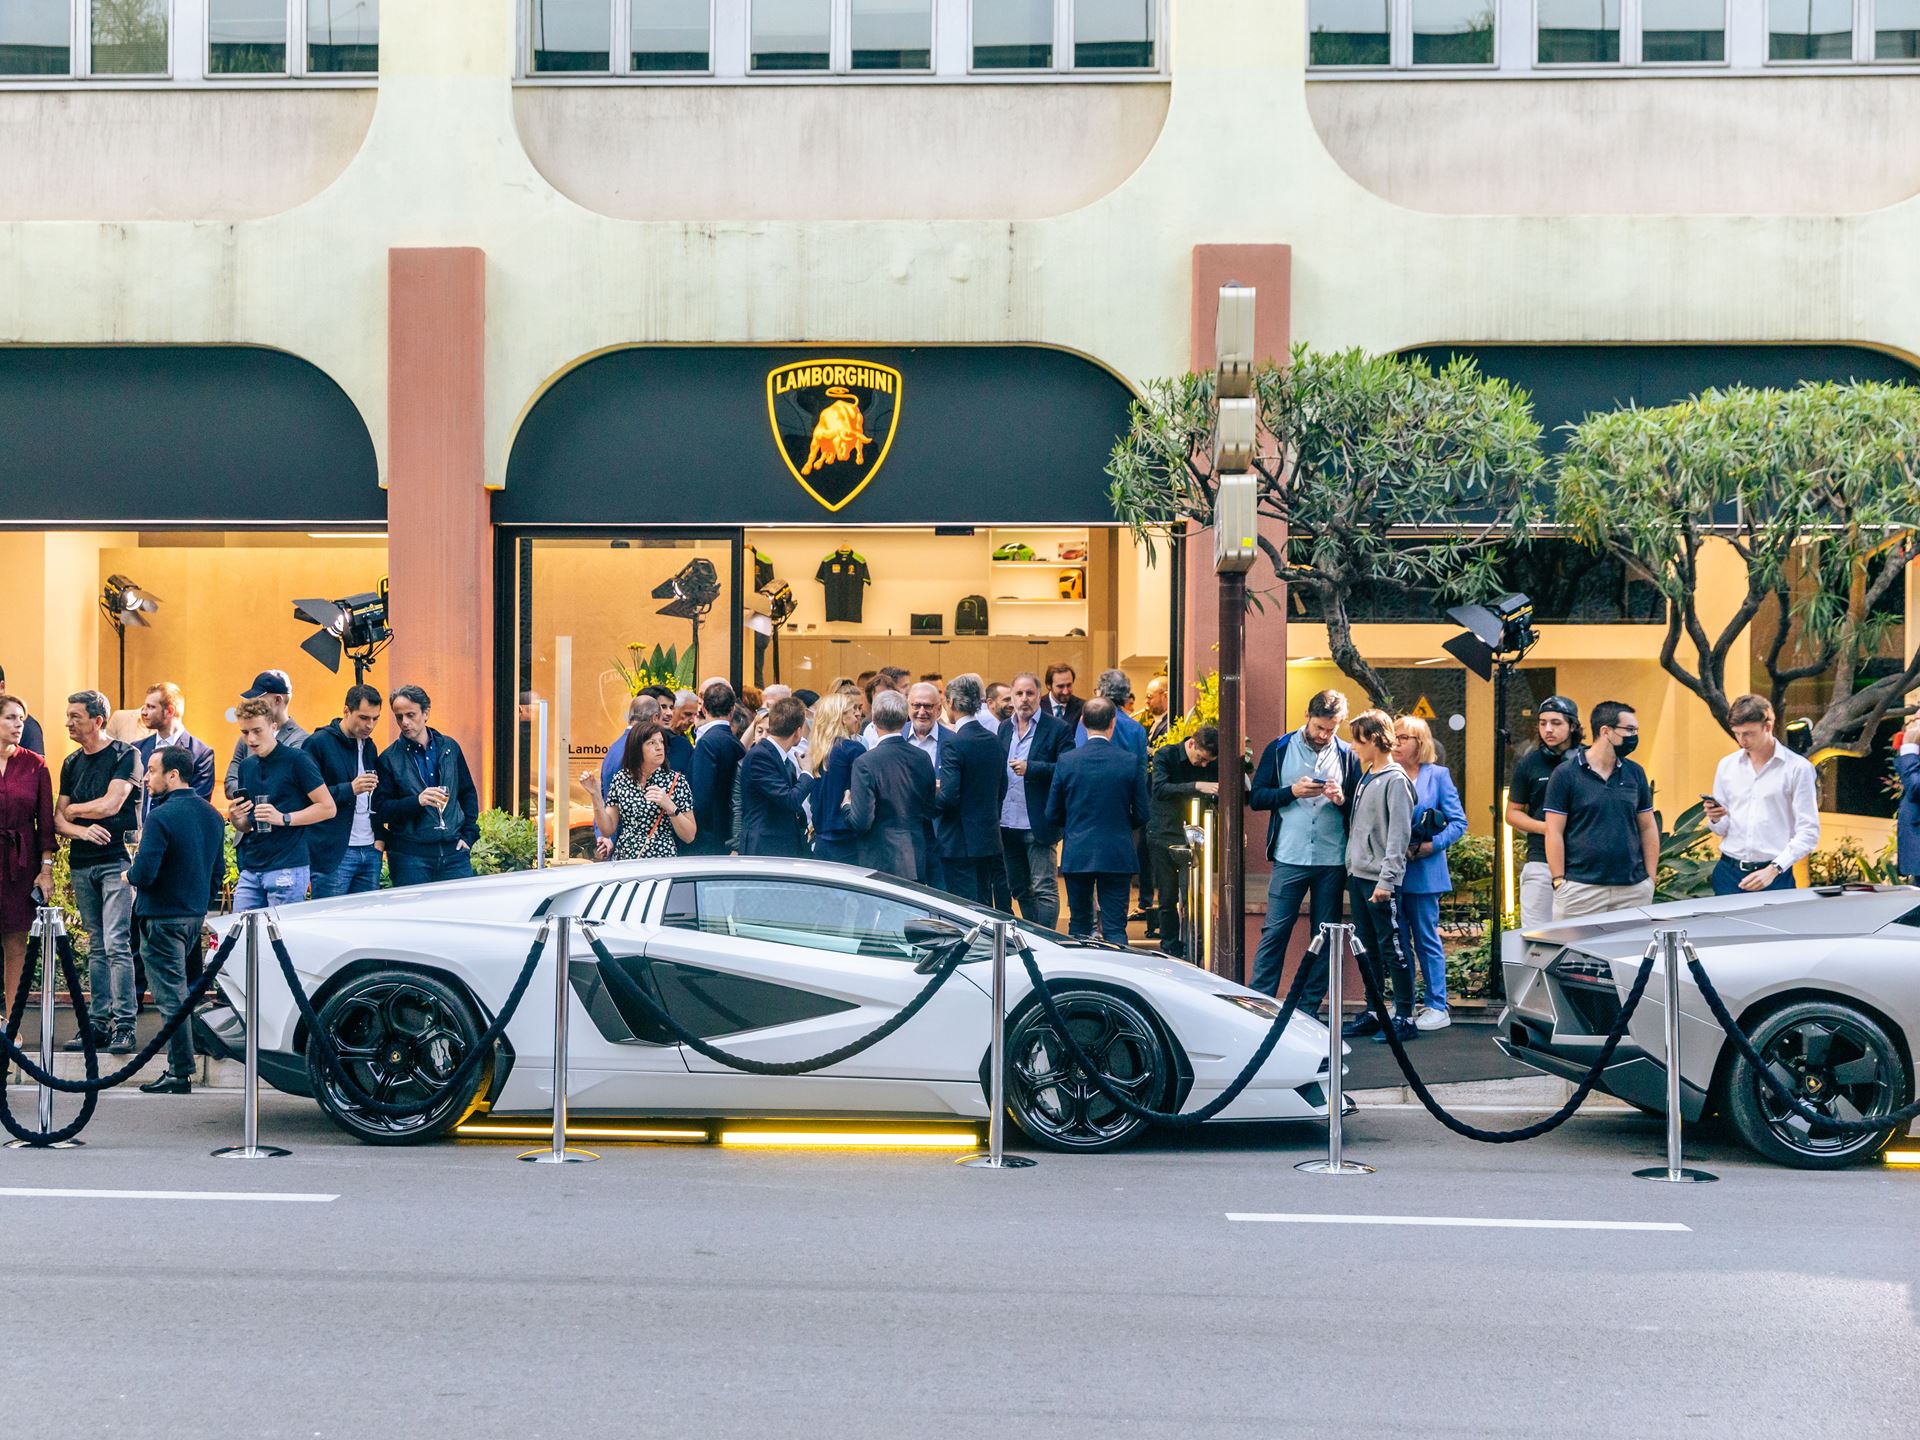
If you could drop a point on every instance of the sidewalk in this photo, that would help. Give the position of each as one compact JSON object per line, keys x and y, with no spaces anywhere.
{"x":218,"y":1074}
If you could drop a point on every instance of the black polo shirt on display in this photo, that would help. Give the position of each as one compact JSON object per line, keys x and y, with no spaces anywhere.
{"x":1528,"y":790}
{"x":286,"y":778}
{"x":1603,"y":819}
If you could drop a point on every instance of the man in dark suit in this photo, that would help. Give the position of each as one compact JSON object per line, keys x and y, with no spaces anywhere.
{"x":892,"y":802}
{"x":1031,"y":744}
{"x":164,"y":713}
{"x":1099,"y":796}
{"x":1060,"y":702}
{"x":971,"y":783}
{"x":717,"y":753}
{"x":1179,"y":774}
{"x":772,"y":821}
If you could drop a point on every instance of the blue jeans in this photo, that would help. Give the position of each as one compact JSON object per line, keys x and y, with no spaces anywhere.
{"x":105,"y":902}
{"x":423,"y":867}
{"x":164,"y":944}
{"x":257,"y":889}
{"x":357,"y":873}
{"x":1114,"y":891}
{"x":1420,"y":939}
{"x":1289,"y":886}
{"x":1727,"y":876}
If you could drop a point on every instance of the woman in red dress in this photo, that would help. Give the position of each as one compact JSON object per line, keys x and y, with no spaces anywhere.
{"x":26,"y":839}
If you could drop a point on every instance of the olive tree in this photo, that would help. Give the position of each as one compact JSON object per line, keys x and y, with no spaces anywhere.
{"x":1817,"y":492}
{"x":1383,"y":470}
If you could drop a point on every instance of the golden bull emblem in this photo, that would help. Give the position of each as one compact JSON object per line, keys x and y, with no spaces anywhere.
{"x":834,"y":420}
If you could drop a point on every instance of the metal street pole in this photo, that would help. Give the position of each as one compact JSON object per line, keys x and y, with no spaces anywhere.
{"x":1235,"y":530}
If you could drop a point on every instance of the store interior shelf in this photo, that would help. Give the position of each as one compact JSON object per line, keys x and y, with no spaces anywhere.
{"x":1016,"y":600}
{"x":1038,"y":564}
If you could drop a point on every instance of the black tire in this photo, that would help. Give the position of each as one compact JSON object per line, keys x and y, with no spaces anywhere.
{"x":1838,"y":1059}
{"x":400,"y":1034}
{"x":1053,"y":1102}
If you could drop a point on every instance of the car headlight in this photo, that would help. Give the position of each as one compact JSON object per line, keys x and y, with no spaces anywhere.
{"x":1260,"y":1005}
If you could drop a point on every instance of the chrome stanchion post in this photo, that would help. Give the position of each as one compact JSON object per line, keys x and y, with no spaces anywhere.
{"x":996,"y":1157}
{"x":540,"y":801}
{"x":1338,"y":941}
{"x":559,"y":1154}
{"x":1674,"y":1171}
{"x":250,"y":1147}
{"x":51,"y":926}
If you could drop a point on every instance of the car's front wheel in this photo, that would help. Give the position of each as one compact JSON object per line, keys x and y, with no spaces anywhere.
{"x":1837,"y":1059}
{"x":1053,"y":1101}
{"x":400,"y":1036}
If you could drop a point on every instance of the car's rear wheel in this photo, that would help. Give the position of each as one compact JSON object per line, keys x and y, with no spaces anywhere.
{"x":1837,"y":1059}
{"x":400,"y":1035}
{"x":1053,"y":1101}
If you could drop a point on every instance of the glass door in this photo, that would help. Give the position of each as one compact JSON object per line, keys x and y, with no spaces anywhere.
{"x":590,"y":619}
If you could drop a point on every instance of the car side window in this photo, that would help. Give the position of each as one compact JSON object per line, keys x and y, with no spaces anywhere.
{"x":834,"y":918}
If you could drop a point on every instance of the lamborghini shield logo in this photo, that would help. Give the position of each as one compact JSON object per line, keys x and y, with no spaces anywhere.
{"x":834,"y":422}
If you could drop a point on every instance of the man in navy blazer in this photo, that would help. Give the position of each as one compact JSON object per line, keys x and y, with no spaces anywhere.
{"x":1099,"y":796}
{"x":772,"y":820}
{"x":891,"y":797}
{"x":1031,"y":744}
{"x":717,"y":753}
{"x":972,"y":781}
{"x":164,"y":713}
{"x":1906,"y":819}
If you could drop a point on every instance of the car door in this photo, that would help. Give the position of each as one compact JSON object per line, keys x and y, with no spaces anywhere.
{"x":778,"y":969}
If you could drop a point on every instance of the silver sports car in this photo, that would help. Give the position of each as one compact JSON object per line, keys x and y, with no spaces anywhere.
{"x":775,"y":960}
{"x":1826,"y":982}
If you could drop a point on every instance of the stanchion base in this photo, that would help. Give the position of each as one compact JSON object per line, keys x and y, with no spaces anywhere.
{"x":57,"y":1145}
{"x":258,"y":1152}
{"x":985,"y":1161}
{"x":1327,"y":1167}
{"x":1676,"y":1177}
{"x":547,"y":1157}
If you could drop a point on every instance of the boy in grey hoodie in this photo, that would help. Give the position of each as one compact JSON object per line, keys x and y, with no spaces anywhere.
{"x":1378,"y":830}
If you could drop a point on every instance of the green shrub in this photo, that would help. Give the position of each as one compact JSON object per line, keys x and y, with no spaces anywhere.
{"x":505,"y":844}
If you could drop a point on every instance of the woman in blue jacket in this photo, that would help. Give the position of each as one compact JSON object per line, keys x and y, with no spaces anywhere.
{"x":1427,"y":878}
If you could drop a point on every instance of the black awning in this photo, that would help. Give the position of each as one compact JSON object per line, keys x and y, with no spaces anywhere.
{"x":812,"y":435}
{"x":194,"y":434}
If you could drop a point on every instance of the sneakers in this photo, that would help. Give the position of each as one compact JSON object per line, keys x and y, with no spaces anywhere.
{"x":169,"y":1084}
{"x":1403,"y":1026}
{"x":1365,"y":1023}
{"x":122,"y":1042}
{"x":1432,"y":1019}
{"x":79,"y":1043}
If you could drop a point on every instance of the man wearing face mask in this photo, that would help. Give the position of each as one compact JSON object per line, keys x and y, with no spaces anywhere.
{"x":1558,"y":726}
{"x":1603,"y":847}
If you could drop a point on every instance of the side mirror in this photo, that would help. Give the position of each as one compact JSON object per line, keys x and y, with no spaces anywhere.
{"x":932,"y":930}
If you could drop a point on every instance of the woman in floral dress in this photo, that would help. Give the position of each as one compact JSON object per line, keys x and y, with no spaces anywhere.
{"x":648,"y":809}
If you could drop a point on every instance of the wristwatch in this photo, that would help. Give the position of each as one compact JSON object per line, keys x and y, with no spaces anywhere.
{"x":1558,"y":881}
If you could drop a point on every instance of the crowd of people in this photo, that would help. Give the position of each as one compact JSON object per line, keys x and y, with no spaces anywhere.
{"x":1002,"y":793}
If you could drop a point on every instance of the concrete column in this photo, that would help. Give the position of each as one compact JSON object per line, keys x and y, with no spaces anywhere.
{"x":439,"y":531}
{"x":1269,"y":269}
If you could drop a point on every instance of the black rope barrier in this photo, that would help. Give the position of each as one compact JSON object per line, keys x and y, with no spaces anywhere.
{"x":612,"y":975}
{"x":70,"y":972}
{"x":321,"y":1044}
{"x":10,"y":1049}
{"x":1377,"y":1001}
{"x":1170,"y":1118}
{"x":1892,"y":1120}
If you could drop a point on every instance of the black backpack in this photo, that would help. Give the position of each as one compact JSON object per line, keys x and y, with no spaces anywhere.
{"x":970,"y":616}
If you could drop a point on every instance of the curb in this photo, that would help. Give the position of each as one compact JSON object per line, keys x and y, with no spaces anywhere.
{"x":1548,"y":1092}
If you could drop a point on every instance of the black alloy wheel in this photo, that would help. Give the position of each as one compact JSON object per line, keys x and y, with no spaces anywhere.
{"x":1053,"y":1101}
{"x":400,"y":1035}
{"x":1836,"y":1059}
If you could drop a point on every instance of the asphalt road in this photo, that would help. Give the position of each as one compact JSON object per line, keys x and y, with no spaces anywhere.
{"x":712,"y":1292}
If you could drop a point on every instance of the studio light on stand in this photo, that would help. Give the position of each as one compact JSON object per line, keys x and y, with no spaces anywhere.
{"x":356,"y":626}
{"x":1498,"y":636}
{"x":125,"y":603}
{"x":690,"y":595}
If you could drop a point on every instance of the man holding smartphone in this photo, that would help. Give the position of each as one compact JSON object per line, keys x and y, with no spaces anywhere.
{"x":1764,"y":807}
{"x":281,"y":795}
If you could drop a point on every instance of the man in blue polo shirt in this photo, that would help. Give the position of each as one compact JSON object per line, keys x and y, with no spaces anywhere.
{"x":1603,"y":846}
{"x":281,"y":795}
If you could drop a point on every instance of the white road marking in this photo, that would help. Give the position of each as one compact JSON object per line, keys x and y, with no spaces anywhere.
{"x":35,"y":1192}
{"x":1463,"y":1221}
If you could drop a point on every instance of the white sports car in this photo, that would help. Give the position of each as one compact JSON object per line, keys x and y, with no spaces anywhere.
{"x":772,"y":960}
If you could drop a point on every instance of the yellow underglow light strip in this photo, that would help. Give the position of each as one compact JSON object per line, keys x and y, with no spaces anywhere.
{"x":1206,"y":892}
{"x":574,"y":1132}
{"x":853,"y":1139}
{"x":1509,"y":896}
{"x":1902,"y":1157}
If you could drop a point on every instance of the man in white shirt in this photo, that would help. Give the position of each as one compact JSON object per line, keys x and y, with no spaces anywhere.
{"x":1764,"y":807}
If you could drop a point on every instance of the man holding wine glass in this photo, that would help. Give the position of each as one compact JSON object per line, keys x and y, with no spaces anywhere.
{"x":426,"y":798}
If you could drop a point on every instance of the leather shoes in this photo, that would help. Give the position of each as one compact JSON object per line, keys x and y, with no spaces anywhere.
{"x":168,"y":1085}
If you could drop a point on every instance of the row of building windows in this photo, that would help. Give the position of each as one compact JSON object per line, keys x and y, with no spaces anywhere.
{"x":137,"y":39}
{"x":1399,"y":34}
{"x":662,"y":38}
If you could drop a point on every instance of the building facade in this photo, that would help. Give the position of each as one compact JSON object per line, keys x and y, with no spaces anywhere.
{"x":587,"y":322}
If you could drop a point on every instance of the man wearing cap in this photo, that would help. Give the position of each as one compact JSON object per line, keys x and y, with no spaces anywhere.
{"x":273,"y":687}
{"x":1558,"y":726}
